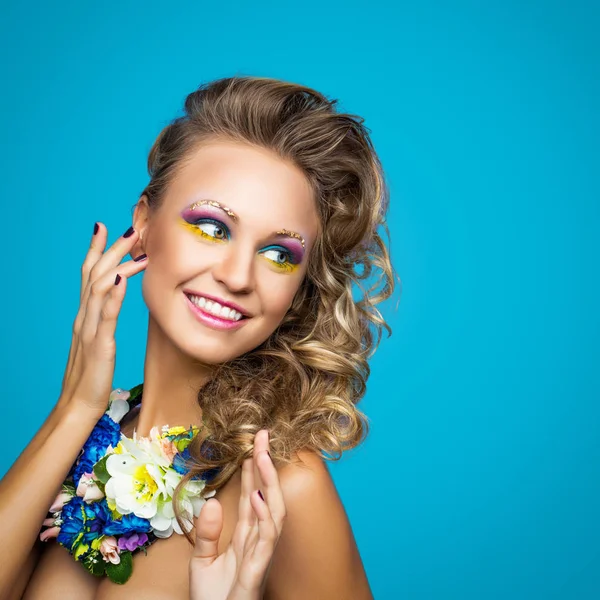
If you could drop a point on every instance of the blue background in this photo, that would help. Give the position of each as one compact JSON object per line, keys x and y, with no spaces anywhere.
{"x":481,"y":476}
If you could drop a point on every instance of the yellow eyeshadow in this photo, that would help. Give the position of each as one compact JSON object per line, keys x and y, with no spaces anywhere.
{"x":287,"y":266}
{"x":197,"y":231}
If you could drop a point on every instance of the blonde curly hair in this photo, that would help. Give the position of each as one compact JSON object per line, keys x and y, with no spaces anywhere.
{"x":304,"y":381}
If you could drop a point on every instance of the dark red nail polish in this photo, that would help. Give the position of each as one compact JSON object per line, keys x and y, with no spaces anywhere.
{"x":140,"y":257}
{"x":96,"y":227}
{"x":261,"y":496}
{"x":117,"y":279}
{"x":129,"y":232}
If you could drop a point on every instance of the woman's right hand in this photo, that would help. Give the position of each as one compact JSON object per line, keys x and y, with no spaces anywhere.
{"x":88,"y":378}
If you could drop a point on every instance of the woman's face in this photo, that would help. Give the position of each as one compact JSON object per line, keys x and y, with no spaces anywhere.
{"x":231,"y":237}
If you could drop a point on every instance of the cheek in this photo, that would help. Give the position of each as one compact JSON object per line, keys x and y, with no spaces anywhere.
{"x":277,"y":295}
{"x":177,"y":258}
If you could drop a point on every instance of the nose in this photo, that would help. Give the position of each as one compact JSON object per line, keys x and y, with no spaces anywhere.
{"x":235,"y":269}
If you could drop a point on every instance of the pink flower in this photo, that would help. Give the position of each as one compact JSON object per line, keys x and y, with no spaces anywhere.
{"x":59,"y":502}
{"x":88,"y":489}
{"x":168,"y":449}
{"x":110,"y":550}
{"x":49,"y":534}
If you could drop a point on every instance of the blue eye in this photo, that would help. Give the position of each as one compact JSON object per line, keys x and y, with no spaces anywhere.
{"x":278,"y":255}
{"x":280,"y":258}
{"x":212,"y":228}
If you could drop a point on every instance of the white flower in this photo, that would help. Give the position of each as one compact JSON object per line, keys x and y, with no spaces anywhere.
{"x":164,"y":523}
{"x":142,"y":482}
{"x":118,"y":405}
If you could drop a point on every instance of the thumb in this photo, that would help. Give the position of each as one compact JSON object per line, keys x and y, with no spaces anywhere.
{"x":209,"y":525}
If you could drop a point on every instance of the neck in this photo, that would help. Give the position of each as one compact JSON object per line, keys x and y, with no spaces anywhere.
{"x":171,"y":383}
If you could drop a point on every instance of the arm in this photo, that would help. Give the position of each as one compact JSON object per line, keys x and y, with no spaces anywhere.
{"x":30,"y":486}
{"x":32,"y":483}
{"x":316,"y":556}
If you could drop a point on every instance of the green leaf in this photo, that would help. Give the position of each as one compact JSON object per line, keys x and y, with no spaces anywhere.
{"x":97,"y":568}
{"x":100,"y":470}
{"x":134,"y":392}
{"x":122,"y":572}
{"x":68,"y":487}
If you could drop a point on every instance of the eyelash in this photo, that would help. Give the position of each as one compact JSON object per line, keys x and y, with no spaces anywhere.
{"x":289,"y":265}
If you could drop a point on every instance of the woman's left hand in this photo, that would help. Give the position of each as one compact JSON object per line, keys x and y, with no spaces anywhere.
{"x":240,"y":572}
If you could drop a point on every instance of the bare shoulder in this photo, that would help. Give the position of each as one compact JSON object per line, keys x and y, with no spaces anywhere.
{"x":306,"y":471}
{"x":316,"y":555}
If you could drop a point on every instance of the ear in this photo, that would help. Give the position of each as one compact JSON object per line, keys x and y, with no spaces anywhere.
{"x":141,"y":219}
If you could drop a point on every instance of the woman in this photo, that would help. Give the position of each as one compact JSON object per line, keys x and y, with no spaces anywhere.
{"x":259,"y":222}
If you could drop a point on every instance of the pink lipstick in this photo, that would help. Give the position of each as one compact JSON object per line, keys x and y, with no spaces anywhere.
{"x":211,"y":320}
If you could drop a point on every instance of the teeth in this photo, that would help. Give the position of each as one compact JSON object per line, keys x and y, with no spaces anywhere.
{"x":223,"y":312}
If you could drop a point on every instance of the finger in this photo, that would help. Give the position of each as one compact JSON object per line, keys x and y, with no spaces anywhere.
{"x":261,"y":444}
{"x":107,"y":325}
{"x":98,"y":297}
{"x":95,"y":251}
{"x":259,"y":557}
{"x":245,"y":512}
{"x":110,"y":259}
{"x":259,"y":552}
{"x":246,"y":517}
{"x":97,"y":245}
{"x":95,"y":267}
{"x":209,"y":525}
{"x":271,"y":490}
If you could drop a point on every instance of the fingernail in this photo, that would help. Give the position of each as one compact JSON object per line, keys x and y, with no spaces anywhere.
{"x":140,"y":257}
{"x":261,"y":496}
{"x":117,"y":279}
{"x":96,"y":227}
{"x":129,"y":232}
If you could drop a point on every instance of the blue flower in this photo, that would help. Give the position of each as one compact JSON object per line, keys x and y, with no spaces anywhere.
{"x":72,"y":526}
{"x":127,"y":524}
{"x":180,"y":466}
{"x":105,"y":433}
{"x":179,"y":461}
{"x":96,"y":516}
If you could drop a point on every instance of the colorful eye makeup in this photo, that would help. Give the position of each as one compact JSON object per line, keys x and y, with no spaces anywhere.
{"x":280,"y":258}
{"x":201,"y":218}
{"x":216,"y":204}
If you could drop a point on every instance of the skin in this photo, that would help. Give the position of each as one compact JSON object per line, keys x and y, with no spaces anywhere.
{"x":310,"y":550}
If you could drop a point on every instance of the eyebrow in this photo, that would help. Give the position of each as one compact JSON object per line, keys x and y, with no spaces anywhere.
{"x":230,"y":213}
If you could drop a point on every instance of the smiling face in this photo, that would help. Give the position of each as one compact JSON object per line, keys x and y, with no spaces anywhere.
{"x":227,"y":249}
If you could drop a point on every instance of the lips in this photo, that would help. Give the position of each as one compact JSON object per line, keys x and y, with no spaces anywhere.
{"x":216,"y":309}
{"x":213,"y":321}
{"x":220,"y":301}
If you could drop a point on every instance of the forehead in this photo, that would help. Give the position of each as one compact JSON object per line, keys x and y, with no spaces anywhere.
{"x":260,"y":187}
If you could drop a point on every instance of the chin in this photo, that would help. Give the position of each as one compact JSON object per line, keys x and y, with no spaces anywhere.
{"x":213,"y":347}
{"x":209,"y":351}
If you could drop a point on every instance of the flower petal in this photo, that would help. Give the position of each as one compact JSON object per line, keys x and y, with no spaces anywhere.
{"x":145,"y":511}
{"x":164,"y":533}
{"x":120,"y":464}
{"x":160,"y":521}
{"x":118,"y":409}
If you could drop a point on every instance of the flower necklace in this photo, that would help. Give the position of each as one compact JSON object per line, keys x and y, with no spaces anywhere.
{"x":117,"y":498}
